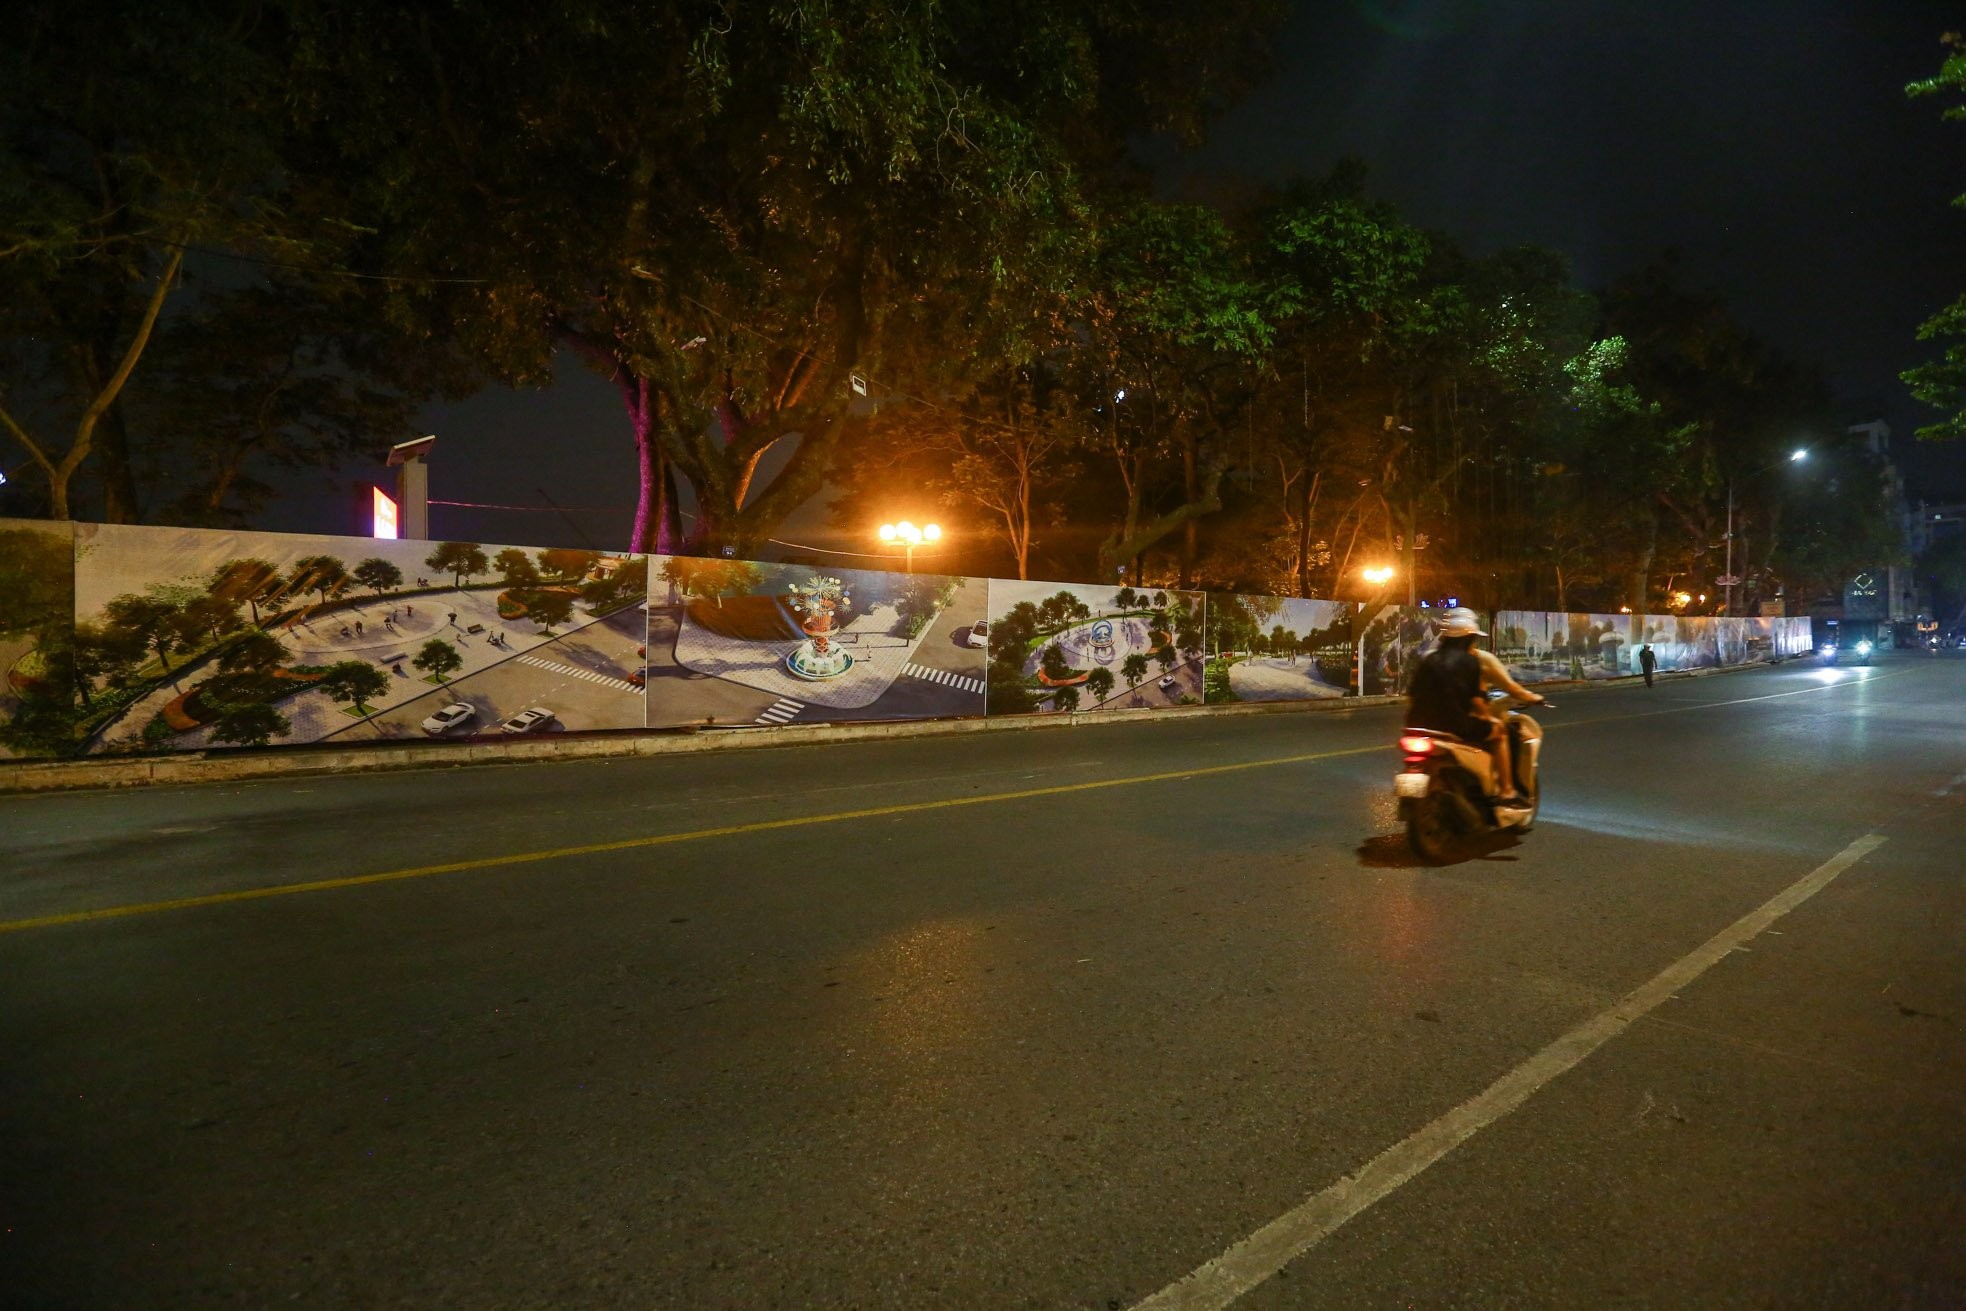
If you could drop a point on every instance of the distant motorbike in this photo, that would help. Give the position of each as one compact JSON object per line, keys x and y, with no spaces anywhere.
{"x":1448,"y":788}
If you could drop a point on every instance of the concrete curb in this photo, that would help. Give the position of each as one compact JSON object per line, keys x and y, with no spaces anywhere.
{"x":299,"y":762}
{"x":292,"y":762}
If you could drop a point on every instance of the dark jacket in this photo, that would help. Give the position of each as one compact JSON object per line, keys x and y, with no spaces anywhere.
{"x":1444,"y":690}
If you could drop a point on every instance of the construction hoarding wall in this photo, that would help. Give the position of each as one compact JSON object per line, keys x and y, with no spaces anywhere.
{"x":38,"y":687}
{"x":1083,"y":646}
{"x":732,"y":642}
{"x":119,"y":639}
{"x":1539,"y":646}
{"x":1274,"y":648}
{"x":194,"y":638}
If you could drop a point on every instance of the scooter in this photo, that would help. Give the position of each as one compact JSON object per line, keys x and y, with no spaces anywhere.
{"x":1448,"y":788}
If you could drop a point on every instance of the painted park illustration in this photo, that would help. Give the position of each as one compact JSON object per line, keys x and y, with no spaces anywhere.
{"x":1079,"y":646}
{"x":1275,"y":648}
{"x":186,"y":639}
{"x":38,"y":672}
{"x":733,"y":642}
{"x":120,"y":638}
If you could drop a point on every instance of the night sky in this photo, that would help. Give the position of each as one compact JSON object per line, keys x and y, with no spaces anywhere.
{"x":1771,"y":146}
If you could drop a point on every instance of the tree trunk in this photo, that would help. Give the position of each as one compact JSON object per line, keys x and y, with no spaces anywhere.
{"x":120,"y":502}
{"x":61,"y":473}
{"x":1639,"y":586}
{"x":1304,"y":535}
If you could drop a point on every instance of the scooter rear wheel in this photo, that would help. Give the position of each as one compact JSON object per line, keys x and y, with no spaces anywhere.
{"x":1429,"y":831}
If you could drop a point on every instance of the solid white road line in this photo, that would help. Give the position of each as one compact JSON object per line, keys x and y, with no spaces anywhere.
{"x":1221,"y":1281}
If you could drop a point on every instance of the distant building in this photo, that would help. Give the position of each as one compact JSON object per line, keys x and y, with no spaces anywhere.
{"x":1888,"y":593}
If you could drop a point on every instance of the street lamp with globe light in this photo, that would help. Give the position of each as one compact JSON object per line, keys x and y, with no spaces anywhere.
{"x":1378,"y":576}
{"x":907,"y":536}
{"x":1727,"y":580}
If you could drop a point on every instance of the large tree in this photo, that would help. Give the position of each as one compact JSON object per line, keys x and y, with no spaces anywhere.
{"x":152,"y":190}
{"x":1941,"y":382}
{"x":732,"y":210}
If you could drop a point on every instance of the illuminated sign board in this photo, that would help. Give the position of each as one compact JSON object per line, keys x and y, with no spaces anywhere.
{"x":385,"y":514}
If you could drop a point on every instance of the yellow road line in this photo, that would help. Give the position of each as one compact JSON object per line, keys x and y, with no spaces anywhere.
{"x":766,"y":826}
{"x":658,"y":840}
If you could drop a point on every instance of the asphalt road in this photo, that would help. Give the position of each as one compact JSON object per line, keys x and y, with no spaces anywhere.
{"x":1045,"y":1019}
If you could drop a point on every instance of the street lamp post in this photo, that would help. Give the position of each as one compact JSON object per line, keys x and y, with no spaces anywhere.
{"x":1379,"y":576}
{"x":1727,"y":579}
{"x":908,"y":537}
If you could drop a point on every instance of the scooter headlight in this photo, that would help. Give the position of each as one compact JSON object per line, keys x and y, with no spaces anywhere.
{"x":1863,"y":648}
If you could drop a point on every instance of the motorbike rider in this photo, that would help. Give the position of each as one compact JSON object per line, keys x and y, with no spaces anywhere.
{"x":1448,"y":694}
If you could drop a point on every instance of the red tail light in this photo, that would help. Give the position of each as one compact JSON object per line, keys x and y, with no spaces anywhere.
{"x":1416,"y":746}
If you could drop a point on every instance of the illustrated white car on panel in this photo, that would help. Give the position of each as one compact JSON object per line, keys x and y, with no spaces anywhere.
{"x":527,"y":721}
{"x":1167,"y":683}
{"x":977,"y":635}
{"x":448,"y":718}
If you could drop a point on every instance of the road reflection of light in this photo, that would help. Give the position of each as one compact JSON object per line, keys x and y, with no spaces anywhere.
{"x":1651,"y":827}
{"x":1404,"y":925}
{"x":931,"y":987}
{"x":1829,"y":675}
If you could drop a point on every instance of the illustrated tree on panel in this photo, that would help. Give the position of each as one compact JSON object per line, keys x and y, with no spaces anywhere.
{"x":460,"y":560}
{"x":323,"y":574}
{"x":549,"y":607}
{"x":250,"y":580}
{"x":378,"y":575}
{"x":516,"y":568}
{"x":250,"y":724}
{"x":1099,"y":683}
{"x":354,"y":680}
{"x":708,"y":579}
{"x":439,"y":659}
{"x":566,"y":563}
{"x":151,"y":622}
{"x":255,"y":653}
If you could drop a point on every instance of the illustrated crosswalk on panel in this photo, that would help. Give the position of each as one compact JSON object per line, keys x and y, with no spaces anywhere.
{"x":781,"y":711}
{"x":575,"y":671}
{"x":962,"y":682}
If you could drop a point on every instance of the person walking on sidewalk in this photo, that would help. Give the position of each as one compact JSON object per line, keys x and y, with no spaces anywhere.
{"x":1647,"y":662}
